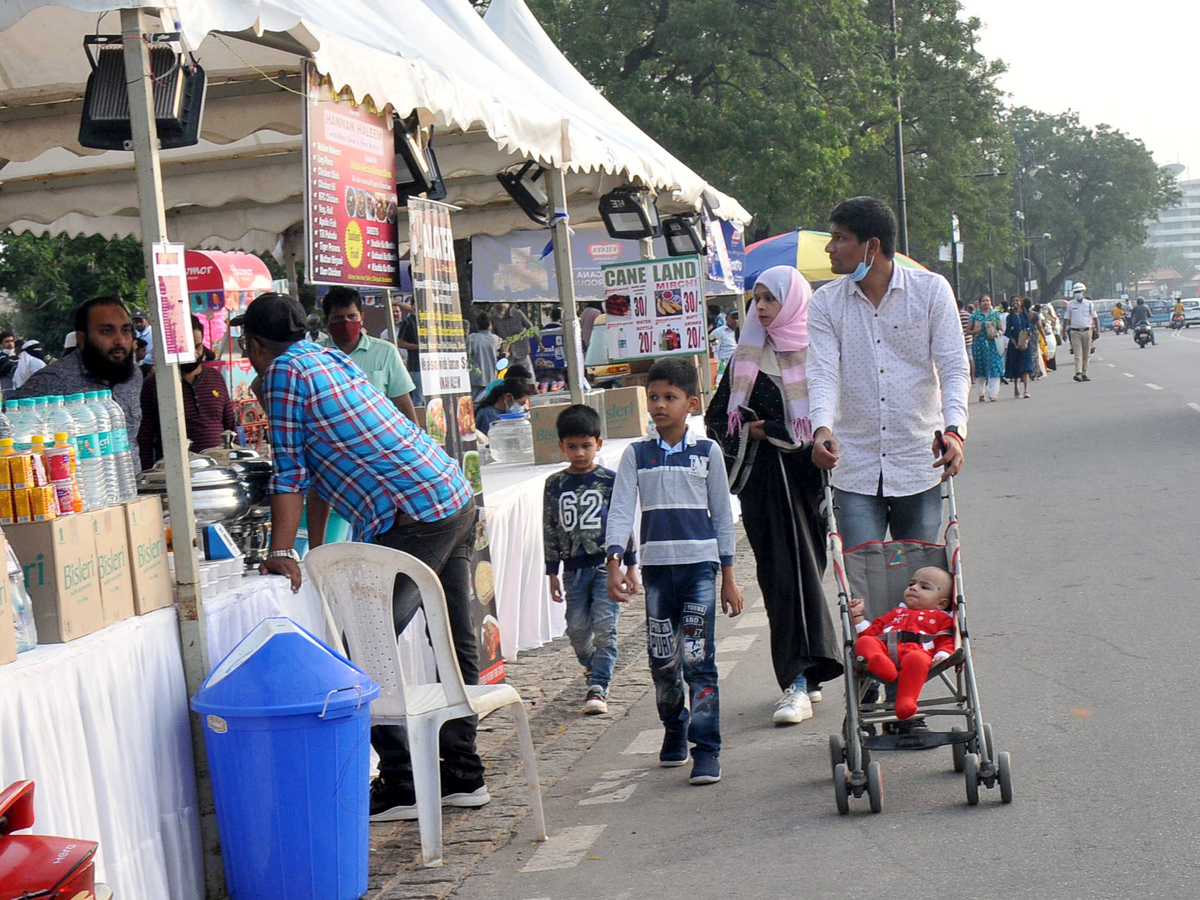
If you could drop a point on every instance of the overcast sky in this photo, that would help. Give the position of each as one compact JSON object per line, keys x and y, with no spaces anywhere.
{"x":1125,"y":64}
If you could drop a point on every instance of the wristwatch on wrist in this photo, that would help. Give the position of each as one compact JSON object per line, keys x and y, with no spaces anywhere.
{"x":616,"y":556}
{"x":289,"y":553}
{"x":953,"y":429}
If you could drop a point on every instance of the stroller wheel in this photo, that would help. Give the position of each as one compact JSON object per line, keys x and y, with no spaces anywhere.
{"x":837,"y":750}
{"x":841,"y":791}
{"x":875,"y":787}
{"x":1004,"y":775}
{"x":971,"y":776}
{"x":958,"y":751}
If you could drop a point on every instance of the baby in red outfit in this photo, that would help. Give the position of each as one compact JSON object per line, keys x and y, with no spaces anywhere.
{"x":924,"y":611}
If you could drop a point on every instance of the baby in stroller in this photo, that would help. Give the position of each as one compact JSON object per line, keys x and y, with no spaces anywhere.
{"x":923,"y":632}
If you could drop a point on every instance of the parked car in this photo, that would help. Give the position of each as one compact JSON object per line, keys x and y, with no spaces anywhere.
{"x":1160,"y":311}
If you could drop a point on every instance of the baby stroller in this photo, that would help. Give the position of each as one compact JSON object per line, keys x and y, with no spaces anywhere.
{"x":879,"y":573}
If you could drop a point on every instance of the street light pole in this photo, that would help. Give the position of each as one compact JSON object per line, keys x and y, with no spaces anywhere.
{"x":901,"y":194}
{"x":955,"y":237}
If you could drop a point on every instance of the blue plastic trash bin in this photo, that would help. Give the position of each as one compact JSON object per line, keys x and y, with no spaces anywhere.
{"x":286,"y":726}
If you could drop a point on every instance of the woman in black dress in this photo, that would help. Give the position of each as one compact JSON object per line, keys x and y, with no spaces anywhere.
{"x":759,"y":416}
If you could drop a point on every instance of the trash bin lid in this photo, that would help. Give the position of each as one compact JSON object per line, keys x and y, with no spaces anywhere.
{"x":279,"y":669}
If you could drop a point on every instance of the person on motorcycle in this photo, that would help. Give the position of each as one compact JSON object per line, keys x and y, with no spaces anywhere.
{"x":1118,"y":317}
{"x":1140,"y":314}
{"x":1177,"y":316}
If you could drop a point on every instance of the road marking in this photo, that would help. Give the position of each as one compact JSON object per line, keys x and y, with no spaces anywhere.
{"x":1195,"y":406}
{"x":1127,"y":374}
{"x":1112,"y":365}
{"x":564,"y":850}
{"x":736,"y":643}
{"x":620,"y":795}
{"x":615,"y":774}
{"x":726,"y":668}
{"x":646,"y":742}
{"x":1152,"y":386}
{"x":751,"y":620}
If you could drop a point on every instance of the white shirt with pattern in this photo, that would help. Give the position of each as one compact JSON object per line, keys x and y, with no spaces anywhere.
{"x":884,"y":379}
{"x":1080,"y":313}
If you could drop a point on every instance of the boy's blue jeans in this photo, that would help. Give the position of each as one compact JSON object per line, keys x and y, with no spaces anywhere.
{"x":681,"y":612}
{"x":592,"y":622}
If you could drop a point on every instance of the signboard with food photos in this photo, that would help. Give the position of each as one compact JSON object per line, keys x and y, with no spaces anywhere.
{"x":349,"y":190}
{"x":655,"y":307}
{"x":449,"y":413}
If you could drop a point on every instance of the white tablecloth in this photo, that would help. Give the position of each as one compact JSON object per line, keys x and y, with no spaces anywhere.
{"x":101,"y":725}
{"x":513,"y":498}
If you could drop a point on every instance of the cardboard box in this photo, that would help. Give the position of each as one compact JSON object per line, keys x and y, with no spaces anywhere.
{"x":61,"y":575}
{"x":153,"y":587}
{"x":8,"y":632}
{"x":626,"y":412}
{"x":112,"y":562}
{"x":544,"y":421}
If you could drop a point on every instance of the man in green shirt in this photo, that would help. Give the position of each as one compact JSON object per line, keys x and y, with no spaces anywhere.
{"x":379,"y":359}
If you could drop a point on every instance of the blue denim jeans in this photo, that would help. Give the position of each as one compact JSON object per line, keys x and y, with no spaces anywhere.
{"x":592,"y":622}
{"x":681,"y":611}
{"x":863,"y":517}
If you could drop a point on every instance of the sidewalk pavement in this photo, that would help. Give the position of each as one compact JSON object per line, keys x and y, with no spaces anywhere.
{"x":550,"y":681}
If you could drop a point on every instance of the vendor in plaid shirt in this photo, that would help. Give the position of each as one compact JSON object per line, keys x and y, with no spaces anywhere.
{"x":340,"y":439}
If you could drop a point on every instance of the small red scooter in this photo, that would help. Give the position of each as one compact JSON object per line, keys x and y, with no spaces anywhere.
{"x":37,"y":867}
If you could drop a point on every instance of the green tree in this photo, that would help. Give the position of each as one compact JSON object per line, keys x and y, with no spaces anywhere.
{"x":956,"y":148}
{"x":766,"y":100}
{"x":1091,"y":189}
{"x":48,"y":277}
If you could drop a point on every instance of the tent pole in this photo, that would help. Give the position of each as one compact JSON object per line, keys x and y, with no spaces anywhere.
{"x":190,"y":611}
{"x":556,"y":189}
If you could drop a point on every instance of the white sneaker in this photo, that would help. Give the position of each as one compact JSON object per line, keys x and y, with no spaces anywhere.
{"x":793,"y":708}
{"x":816,"y":696}
{"x":596,"y":703}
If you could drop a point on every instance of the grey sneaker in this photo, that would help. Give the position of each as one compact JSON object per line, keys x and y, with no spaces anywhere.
{"x":596,"y":703}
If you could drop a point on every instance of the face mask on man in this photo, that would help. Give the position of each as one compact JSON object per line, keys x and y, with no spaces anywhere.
{"x":860,"y":272}
{"x":346,"y":332}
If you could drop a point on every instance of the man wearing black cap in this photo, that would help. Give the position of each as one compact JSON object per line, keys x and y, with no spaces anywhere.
{"x":340,"y":439}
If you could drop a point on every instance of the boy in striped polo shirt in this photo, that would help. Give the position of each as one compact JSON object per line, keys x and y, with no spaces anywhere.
{"x":686,"y":538}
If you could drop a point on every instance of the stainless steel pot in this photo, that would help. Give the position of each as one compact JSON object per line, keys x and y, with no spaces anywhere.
{"x":253,"y":470}
{"x":218,"y":494}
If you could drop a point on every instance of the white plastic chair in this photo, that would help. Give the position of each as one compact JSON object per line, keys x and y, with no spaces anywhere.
{"x":355,"y":583}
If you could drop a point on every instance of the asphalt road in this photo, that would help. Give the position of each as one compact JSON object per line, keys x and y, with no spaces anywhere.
{"x":1080,"y":553}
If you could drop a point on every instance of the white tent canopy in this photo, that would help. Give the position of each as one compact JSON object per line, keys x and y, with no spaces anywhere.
{"x":242,"y":185}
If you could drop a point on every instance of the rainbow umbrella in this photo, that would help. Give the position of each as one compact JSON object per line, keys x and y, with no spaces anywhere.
{"x":803,"y":249}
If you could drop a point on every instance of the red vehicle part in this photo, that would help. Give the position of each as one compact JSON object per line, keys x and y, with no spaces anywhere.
{"x":36,"y":867}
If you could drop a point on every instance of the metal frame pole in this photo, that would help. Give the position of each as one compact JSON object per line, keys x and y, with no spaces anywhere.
{"x":190,"y":612}
{"x":564,"y":271}
{"x":901,"y":192}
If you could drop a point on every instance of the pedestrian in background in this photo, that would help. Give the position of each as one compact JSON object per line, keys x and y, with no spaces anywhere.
{"x":724,"y":338}
{"x":508,"y":321}
{"x":1018,"y":365}
{"x":483,"y":345}
{"x":1083,"y":326}
{"x":989,"y":365}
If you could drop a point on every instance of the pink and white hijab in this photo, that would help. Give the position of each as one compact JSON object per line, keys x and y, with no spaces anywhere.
{"x":788,"y":337}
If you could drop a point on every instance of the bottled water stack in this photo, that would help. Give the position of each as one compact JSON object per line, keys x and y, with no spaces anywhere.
{"x":108,"y":457}
{"x":89,"y":465}
{"x":123,"y":452}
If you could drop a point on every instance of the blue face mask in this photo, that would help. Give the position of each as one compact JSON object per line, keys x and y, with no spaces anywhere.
{"x":860,"y":272}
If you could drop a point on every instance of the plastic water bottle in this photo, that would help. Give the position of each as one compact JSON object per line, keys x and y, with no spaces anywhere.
{"x":89,"y":466}
{"x":41,"y":406}
{"x":123,"y":453}
{"x":20,"y":417}
{"x":107,"y":452}
{"x":6,"y":429}
{"x":58,"y":419}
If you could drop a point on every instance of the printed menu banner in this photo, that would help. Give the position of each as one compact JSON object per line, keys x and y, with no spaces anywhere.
{"x":350,"y":190}
{"x":655,"y":307}
{"x":171,"y":295}
{"x":449,"y":413}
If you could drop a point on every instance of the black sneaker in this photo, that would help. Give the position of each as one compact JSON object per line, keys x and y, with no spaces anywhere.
{"x":674,"y":750}
{"x":392,"y":803}
{"x":464,"y":793}
{"x":1085,"y":378}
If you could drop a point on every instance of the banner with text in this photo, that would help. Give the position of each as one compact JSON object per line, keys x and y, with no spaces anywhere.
{"x":655,"y":308}
{"x":349,"y":190}
{"x":446,"y":383}
{"x":171,"y":295}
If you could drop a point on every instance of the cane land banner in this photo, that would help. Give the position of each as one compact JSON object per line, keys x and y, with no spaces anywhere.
{"x":655,"y":308}
{"x":350,"y":190}
{"x":446,"y":383}
{"x":171,"y":295}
